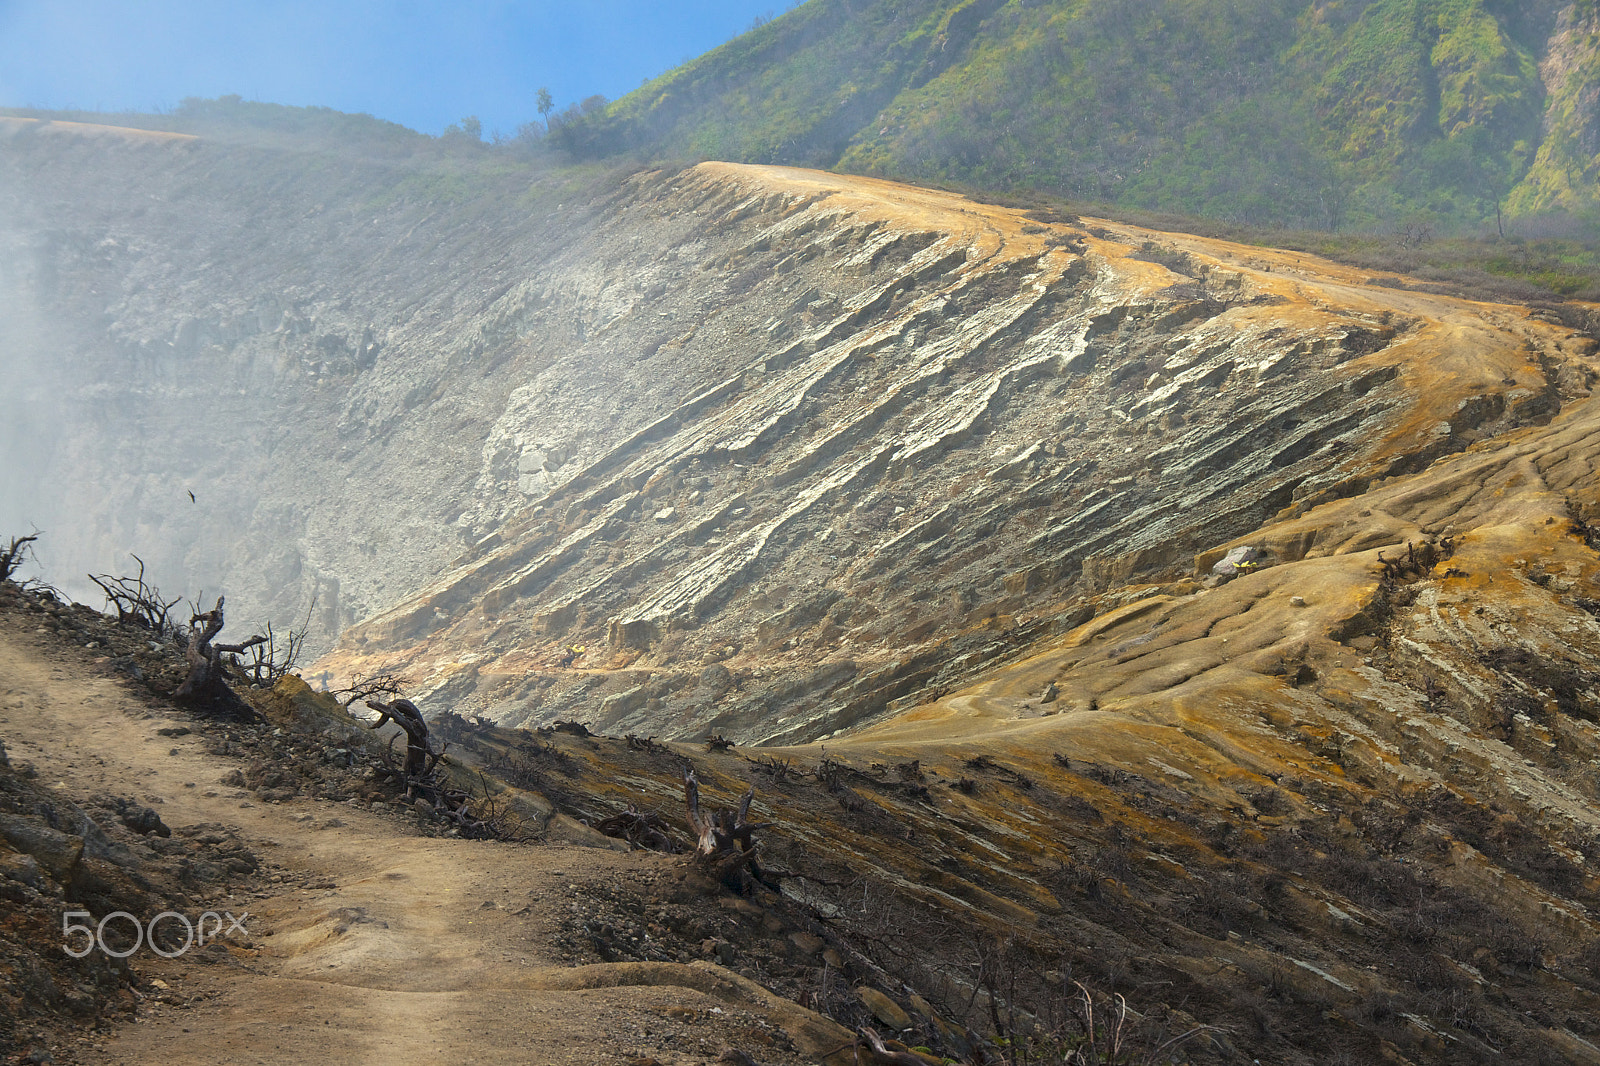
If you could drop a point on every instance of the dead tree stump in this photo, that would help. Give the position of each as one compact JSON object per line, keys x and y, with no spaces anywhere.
{"x":422,"y":751}
{"x":14,"y":555}
{"x":475,"y":817}
{"x":726,"y":846}
{"x":207,"y":678}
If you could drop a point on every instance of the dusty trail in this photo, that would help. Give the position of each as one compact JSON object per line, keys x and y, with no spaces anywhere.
{"x":421,"y":951}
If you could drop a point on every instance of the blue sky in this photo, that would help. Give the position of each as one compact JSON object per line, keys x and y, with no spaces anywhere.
{"x":422,"y":64}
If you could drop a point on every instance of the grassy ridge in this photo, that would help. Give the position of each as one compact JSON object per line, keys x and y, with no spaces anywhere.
{"x":798,"y":88}
{"x":1332,"y":114}
{"x":1558,"y":269}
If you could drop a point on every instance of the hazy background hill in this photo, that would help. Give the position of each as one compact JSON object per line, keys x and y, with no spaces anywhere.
{"x":203,"y":308}
{"x":1342,"y":114}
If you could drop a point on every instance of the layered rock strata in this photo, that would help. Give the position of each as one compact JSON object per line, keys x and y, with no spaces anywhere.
{"x":961,"y":425}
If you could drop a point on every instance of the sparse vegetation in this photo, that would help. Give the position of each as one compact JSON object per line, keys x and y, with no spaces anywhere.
{"x":274,"y":657}
{"x":1033,"y":903}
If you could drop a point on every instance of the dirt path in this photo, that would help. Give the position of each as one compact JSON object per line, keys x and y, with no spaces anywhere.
{"x":423,"y":950}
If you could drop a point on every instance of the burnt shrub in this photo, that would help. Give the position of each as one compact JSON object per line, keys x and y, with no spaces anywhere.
{"x":1589,"y":958}
{"x":1565,"y":682}
{"x":1507,"y":839}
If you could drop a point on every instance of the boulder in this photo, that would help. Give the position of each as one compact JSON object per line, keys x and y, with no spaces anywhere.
{"x":144,"y":821}
{"x":57,"y":852}
{"x":1241,"y":560}
{"x":22,"y":868}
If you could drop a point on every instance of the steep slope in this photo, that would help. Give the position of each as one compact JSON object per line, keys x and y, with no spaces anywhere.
{"x":1344,"y":804}
{"x":1309,"y":114}
{"x":1564,"y":171}
{"x":977,"y":426}
{"x":778,"y":449}
{"x":361,"y":931}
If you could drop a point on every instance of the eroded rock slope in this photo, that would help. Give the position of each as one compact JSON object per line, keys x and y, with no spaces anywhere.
{"x":956,"y":425}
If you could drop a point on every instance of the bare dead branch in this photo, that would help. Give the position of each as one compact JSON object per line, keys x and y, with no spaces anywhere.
{"x":366,"y":686}
{"x":14,"y":554}
{"x":270,"y":660}
{"x":641,"y":829}
{"x":780,"y":770}
{"x":476,"y":815}
{"x":234,"y":649}
{"x":576,"y":728}
{"x":405,"y":714}
{"x":871,"y":1050}
{"x":138,"y":602}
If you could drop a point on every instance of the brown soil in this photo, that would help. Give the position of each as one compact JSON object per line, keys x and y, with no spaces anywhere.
{"x":368,"y":941}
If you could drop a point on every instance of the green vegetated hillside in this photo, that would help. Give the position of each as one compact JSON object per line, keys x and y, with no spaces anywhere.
{"x":1331,"y":114}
